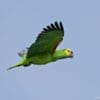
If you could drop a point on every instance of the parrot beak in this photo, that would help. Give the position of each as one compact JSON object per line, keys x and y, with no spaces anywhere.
{"x":71,"y":56}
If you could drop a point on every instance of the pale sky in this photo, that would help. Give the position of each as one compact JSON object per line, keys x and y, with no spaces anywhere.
{"x":69,"y":79}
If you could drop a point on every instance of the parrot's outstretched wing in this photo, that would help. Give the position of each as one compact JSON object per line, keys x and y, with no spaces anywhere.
{"x":47,"y":40}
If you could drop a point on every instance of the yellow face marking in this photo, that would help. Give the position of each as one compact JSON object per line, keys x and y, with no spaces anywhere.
{"x":68,"y":51}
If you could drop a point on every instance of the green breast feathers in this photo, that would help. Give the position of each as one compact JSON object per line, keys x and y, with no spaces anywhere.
{"x":43,"y":51}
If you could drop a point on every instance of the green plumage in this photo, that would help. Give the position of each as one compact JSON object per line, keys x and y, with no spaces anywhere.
{"x":43,"y":50}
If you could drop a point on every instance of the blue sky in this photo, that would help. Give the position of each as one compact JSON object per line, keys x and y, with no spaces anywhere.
{"x":69,"y":79}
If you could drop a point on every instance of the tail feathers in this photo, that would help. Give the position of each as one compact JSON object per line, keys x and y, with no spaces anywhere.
{"x":17,"y":65}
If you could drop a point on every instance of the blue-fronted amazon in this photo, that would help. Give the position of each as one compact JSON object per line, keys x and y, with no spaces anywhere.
{"x":43,"y":51}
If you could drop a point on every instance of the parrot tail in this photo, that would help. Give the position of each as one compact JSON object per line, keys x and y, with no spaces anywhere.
{"x":17,"y":65}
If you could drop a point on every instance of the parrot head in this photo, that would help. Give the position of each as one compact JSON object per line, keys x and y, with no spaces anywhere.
{"x":69,"y":53}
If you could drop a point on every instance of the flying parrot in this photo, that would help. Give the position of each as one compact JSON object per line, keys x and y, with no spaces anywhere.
{"x":43,"y":51}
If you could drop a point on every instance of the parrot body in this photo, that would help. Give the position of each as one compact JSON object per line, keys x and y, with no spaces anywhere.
{"x":44,"y":51}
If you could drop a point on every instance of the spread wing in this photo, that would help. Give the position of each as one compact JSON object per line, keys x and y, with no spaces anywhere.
{"x":47,"y":40}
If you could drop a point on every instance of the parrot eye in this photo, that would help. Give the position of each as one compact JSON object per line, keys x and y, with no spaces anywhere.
{"x":68,"y":50}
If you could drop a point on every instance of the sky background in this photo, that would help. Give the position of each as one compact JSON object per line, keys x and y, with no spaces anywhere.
{"x":69,"y":79}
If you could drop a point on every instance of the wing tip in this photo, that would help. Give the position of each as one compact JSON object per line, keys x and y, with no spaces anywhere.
{"x":54,"y":26}
{"x":59,"y":25}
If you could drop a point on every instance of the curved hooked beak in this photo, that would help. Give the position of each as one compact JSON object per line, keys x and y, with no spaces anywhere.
{"x":71,"y":56}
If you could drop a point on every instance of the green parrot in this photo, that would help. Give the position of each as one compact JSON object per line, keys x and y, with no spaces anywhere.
{"x":43,"y":51}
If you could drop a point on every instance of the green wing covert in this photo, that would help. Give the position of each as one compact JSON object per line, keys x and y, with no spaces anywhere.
{"x":47,"y":40}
